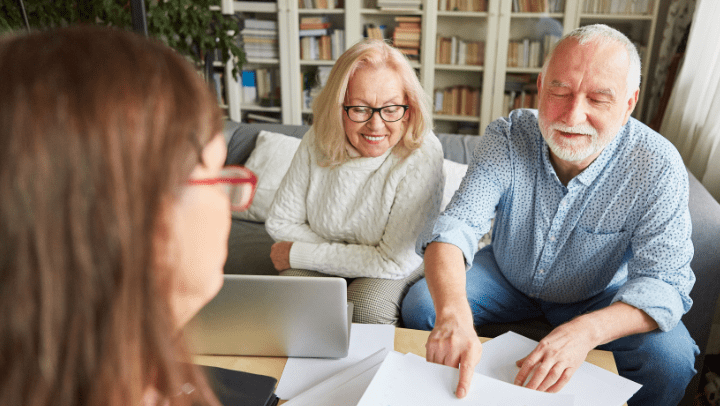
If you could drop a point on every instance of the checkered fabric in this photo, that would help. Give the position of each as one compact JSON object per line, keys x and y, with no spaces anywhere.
{"x":375,"y":301}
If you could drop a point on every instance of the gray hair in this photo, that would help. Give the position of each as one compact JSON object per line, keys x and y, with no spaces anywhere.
{"x":604,"y":34}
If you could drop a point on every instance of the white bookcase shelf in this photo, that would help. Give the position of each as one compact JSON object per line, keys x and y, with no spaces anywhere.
{"x":498,"y":27}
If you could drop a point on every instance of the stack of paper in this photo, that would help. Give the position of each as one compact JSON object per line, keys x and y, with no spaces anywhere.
{"x":301,"y":374}
{"x":591,"y":385}
{"x":386,"y":377}
{"x":408,"y":380}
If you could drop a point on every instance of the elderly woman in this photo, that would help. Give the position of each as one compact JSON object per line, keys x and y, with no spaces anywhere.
{"x":113,"y":218}
{"x":363,"y":183}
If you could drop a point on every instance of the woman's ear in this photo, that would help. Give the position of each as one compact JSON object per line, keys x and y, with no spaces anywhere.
{"x":214,"y":154}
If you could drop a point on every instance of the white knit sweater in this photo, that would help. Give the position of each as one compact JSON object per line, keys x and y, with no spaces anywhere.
{"x":360,"y":219}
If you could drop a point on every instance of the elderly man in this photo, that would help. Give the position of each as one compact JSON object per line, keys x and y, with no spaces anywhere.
{"x":592,"y":231}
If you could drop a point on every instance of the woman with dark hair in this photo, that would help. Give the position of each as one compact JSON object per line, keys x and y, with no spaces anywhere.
{"x":113,"y":221}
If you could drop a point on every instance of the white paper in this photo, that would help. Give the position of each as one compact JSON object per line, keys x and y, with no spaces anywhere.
{"x":301,"y":374}
{"x":343,"y":388}
{"x":592,"y":385}
{"x":410,"y":380}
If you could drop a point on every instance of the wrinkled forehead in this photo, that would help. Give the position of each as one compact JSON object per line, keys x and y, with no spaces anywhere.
{"x":380,"y":82}
{"x":598,"y":65}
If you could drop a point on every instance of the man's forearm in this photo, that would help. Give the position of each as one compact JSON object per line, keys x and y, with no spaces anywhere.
{"x":445,"y":275}
{"x":616,"y":321}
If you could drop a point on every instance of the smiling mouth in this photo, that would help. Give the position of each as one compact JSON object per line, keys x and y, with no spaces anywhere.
{"x":373,"y":138}
{"x":570,"y":134}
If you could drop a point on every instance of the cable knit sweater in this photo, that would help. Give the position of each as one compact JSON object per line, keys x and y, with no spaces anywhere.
{"x":359,"y":219}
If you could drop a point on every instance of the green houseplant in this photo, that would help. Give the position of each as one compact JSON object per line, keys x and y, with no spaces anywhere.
{"x":192,"y":27}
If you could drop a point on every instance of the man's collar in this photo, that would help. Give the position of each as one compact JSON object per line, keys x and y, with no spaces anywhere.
{"x":588,"y":175}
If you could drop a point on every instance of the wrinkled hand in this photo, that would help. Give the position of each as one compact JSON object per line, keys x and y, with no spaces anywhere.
{"x":555,"y":359}
{"x":457,"y":346}
{"x":280,"y":255}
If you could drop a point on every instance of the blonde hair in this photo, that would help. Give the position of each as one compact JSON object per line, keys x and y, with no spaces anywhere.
{"x":327,"y":108}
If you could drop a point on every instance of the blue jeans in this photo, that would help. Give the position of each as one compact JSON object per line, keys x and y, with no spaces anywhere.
{"x":663,"y":362}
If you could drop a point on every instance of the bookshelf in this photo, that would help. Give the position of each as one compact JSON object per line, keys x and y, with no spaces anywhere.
{"x":266,"y":63}
{"x":637,"y":20}
{"x":514,"y":35}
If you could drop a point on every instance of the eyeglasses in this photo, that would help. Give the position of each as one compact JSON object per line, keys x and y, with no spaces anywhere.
{"x":237,"y":181}
{"x":390,"y":114}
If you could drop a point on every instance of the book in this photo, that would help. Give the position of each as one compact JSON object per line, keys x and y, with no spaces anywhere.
{"x":259,"y":33}
{"x":313,"y":20}
{"x":255,"y":24}
{"x":314,"y":26}
{"x":249,"y":86}
{"x":219,"y":92}
{"x":314,"y":33}
{"x":408,"y":19}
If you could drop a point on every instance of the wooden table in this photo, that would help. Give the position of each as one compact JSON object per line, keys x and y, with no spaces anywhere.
{"x":406,"y":341}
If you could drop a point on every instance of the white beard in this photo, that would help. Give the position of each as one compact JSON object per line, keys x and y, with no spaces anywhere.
{"x":571,"y":150}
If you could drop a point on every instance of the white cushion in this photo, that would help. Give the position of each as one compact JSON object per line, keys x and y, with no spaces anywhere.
{"x":454,"y":173}
{"x":270,"y":160}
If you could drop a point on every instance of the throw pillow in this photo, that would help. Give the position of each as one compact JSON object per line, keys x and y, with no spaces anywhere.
{"x":454,"y":173}
{"x":270,"y":160}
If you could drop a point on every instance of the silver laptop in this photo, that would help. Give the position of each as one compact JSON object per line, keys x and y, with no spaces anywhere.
{"x":290,"y":316}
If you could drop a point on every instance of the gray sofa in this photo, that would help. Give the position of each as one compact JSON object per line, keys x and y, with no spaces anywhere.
{"x":249,"y":243}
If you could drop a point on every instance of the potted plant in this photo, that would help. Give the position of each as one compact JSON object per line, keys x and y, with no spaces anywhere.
{"x":193,"y":27}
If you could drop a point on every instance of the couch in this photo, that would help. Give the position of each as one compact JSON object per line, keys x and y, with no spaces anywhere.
{"x":249,"y":244}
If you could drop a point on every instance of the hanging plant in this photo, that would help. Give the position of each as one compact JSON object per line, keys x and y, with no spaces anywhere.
{"x":192,"y":27}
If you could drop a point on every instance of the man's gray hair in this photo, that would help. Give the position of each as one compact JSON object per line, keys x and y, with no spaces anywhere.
{"x":604,"y":34}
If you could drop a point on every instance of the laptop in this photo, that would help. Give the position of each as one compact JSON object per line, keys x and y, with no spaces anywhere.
{"x":262,"y":315}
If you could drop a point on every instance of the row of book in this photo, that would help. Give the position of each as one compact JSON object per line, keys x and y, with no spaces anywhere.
{"x":462,"y":5}
{"x":529,"y":53}
{"x":261,"y":86}
{"x":259,"y":39}
{"x":399,"y":5}
{"x":406,"y":36}
{"x":526,"y":99}
{"x":537,"y":6}
{"x":319,"y":41}
{"x":456,"y":51}
{"x":324,"y":47}
{"x":320,"y":4}
{"x":619,"y":7}
{"x":373,"y":31}
{"x":458,"y":101}
{"x":520,"y":92}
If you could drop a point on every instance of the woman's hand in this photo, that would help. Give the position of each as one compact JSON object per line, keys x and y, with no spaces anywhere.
{"x":280,"y":255}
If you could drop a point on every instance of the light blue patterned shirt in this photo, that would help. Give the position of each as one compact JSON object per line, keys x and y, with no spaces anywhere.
{"x":623,"y":221}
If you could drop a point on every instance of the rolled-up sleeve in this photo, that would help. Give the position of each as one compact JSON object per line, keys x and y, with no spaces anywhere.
{"x":659,"y":274}
{"x":468,"y":216}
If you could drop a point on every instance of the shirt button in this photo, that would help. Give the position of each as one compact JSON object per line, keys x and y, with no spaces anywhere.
{"x":552,"y":238}
{"x":542,"y":271}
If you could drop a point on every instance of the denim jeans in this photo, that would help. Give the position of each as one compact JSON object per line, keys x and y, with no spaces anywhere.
{"x":663,"y":362}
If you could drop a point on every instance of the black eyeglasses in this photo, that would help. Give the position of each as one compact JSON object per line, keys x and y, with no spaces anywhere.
{"x":390,"y":114}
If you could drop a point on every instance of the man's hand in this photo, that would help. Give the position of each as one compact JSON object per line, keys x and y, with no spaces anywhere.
{"x":280,"y":255}
{"x":556,"y":358}
{"x":457,"y":345}
{"x":453,"y":341}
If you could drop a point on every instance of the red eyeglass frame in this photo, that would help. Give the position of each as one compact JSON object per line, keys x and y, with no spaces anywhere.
{"x":233,"y":175}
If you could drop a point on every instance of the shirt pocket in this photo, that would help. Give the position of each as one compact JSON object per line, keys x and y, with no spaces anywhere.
{"x":596,"y":256}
